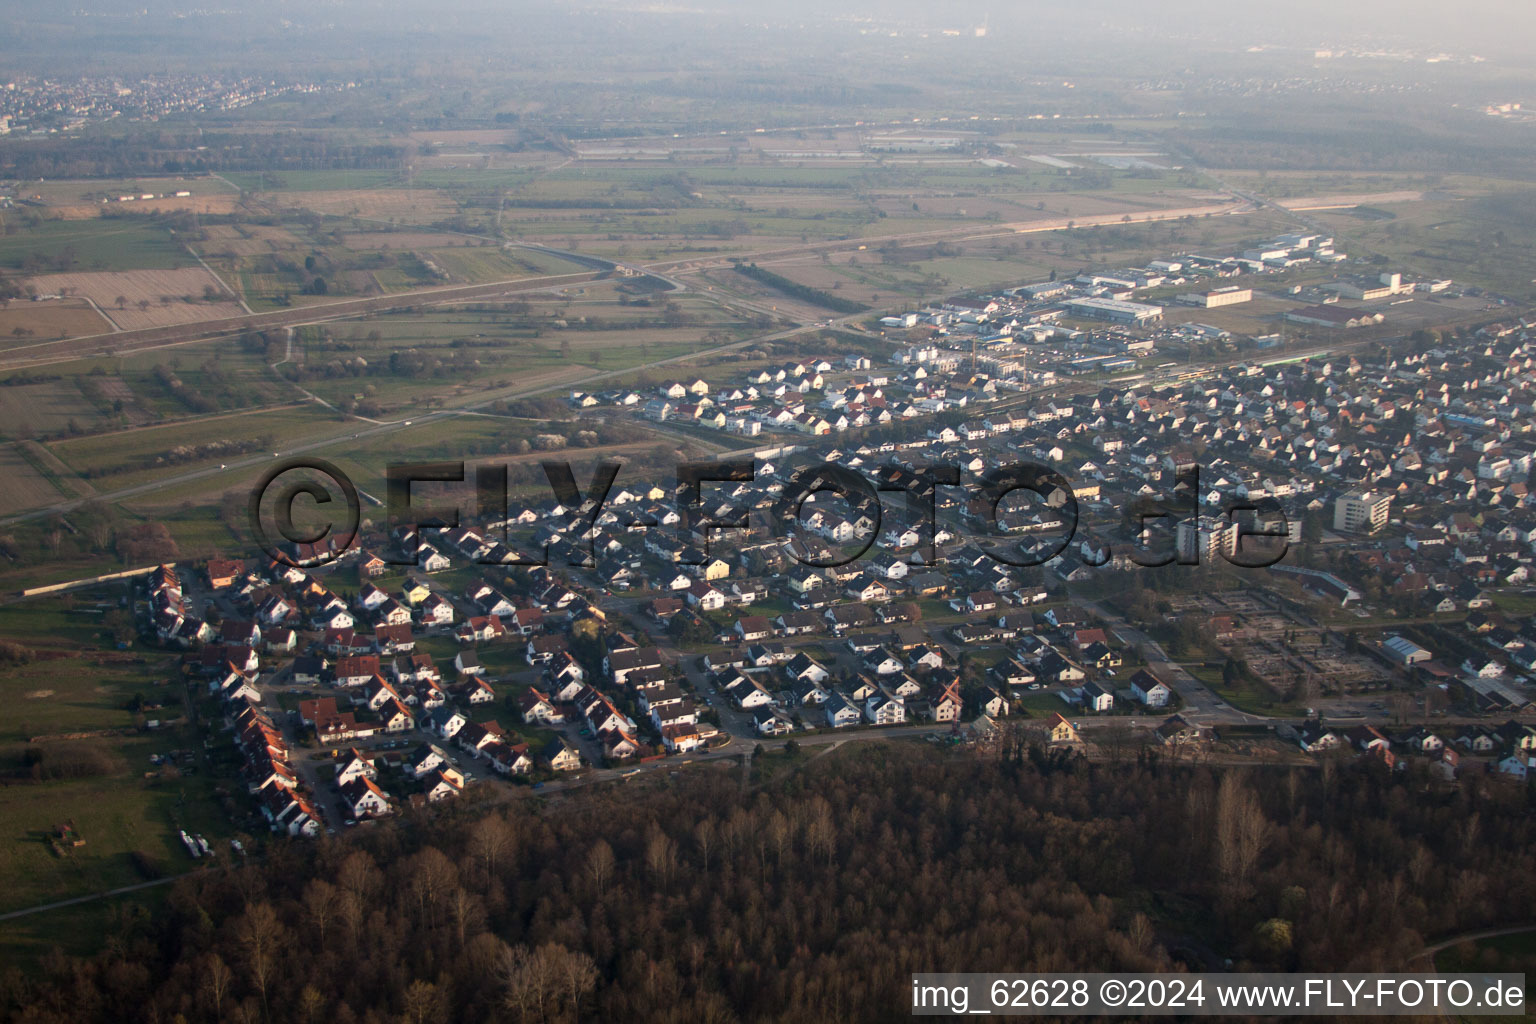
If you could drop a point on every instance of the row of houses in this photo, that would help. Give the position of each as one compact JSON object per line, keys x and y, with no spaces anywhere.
{"x":1510,"y":748}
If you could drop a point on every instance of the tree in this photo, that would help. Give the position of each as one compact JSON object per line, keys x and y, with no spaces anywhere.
{"x":578,"y":973}
{"x":260,"y":934}
{"x":322,"y":901}
{"x":704,"y":836}
{"x":660,"y":856}
{"x":530,"y":982}
{"x":423,"y":1004}
{"x":491,"y":839}
{"x":542,"y":984}
{"x":600,"y":864}
{"x":1240,"y":835}
{"x":1272,"y":938}
{"x":432,"y":878}
{"x":311,"y":1004}
{"x":215,"y":979}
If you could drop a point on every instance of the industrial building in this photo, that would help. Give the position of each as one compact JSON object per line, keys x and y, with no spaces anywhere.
{"x":1229,"y":296}
{"x":1107,"y":280}
{"x":1404,"y":651}
{"x":1043,"y":290}
{"x":1114,"y":310}
{"x":1333,"y":316}
{"x":1385,"y":287}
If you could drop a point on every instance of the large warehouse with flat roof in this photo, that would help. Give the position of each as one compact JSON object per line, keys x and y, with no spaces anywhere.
{"x":1229,"y":296}
{"x":1114,"y":309}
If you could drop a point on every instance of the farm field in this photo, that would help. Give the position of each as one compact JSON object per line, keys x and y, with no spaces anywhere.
{"x":1286,"y":184}
{"x":44,"y":407}
{"x":21,"y":322}
{"x":118,"y":816}
{"x":90,"y":190}
{"x":115,"y":808}
{"x":151,"y":298}
{"x":223,"y":204}
{"x":95,"y":244}
{"x":368,"y":240}
{"x":275,"y":273}
{"x":308,"y":181}
{"x":474,"y":265}
{"x":227,"y":375}
{"x":130,"y":457}
{"x":230,"y":240}
{"x":1485,"y":239}
{"x":405,"y":206}
{"x":82,"y":199}
{"x":25,"y":487}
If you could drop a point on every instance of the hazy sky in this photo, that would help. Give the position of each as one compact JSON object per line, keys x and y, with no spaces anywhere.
{"x":1497,"y":29}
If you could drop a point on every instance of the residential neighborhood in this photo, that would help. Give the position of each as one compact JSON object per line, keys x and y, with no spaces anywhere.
{"x":1394,"y":486}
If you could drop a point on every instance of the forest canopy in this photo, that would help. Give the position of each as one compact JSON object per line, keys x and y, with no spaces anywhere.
{"x":815,"y":896}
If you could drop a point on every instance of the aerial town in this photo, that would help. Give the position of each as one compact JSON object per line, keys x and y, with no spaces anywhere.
{"x":546,"y":514}
{"x":48,"y":106}
{"x":1398,"y":481}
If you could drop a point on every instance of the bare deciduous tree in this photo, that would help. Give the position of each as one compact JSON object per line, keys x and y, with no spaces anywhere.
{"x":600,"y":866}
{"x":1240,"y":834}
{"x":491,"y":840}
{"x":322,"y":902}
{"x":260,"y":934}
{"x":660,"y":856}
{"x":215,"y":977}
{"x":423,"y":1004}
{"x":704,"y":836}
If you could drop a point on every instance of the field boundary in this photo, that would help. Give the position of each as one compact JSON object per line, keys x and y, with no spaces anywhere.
{"x":55,"y":470}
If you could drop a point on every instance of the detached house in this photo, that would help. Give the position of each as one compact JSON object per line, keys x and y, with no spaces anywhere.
{"x":1062,"y":731}
{"x":1150,"y":690}
{"x":355,"y":765}
{"x":885,"y":709}
{"x":560,"y":756}
{"x":365,"y":799}
{"x":537,"y":708}
{"x":945,"y":702}
{"x":840,"y":713}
